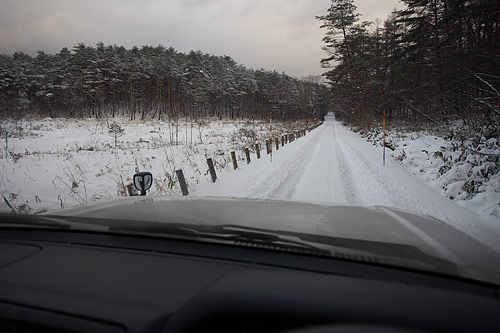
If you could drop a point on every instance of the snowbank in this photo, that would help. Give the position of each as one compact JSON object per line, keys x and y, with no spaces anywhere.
{"x":464,"y":168}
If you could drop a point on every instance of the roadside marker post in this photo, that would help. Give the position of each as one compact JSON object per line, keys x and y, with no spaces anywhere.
{"x":247,"y":154}
{"x":271,"y":134}
{"x":182,"y":182}
{"x":211,"y":168}
{"x":383,"y":154}
{"x":235,"y":162}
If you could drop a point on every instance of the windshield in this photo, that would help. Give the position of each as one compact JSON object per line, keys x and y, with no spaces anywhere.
{"x":345,"y":128}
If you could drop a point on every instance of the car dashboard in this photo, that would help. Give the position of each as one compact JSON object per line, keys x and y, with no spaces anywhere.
{"x":59,"y":280}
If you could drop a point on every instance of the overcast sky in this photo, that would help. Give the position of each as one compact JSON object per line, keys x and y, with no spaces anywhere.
{"x":280,"y":35}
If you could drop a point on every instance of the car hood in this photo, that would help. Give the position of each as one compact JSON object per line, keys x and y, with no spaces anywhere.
{"x":375,"y":224}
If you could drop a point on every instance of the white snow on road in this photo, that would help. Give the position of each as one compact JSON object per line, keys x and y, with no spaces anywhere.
{"x":334,"y":165}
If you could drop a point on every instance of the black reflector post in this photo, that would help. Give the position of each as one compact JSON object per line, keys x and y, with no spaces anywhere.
{"x":143,"y":181}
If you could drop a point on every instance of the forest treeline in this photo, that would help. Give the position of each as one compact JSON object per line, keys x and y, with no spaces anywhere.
{"x":150,"y":82}
{"x":434,"y":61}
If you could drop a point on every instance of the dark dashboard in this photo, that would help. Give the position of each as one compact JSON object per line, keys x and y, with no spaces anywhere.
{"x":53,"y":280}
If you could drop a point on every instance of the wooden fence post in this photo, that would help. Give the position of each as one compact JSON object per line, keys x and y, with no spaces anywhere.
{"x":277,"y":143}
{"x":235,"y":163}
{"x":268,"y":149}
{"x":247,"y":153}
{"x":257,"y":150}
{"x":212,"y":169}
{"x":182,"y":181}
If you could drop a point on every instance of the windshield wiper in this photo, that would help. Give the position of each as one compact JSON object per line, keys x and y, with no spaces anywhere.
{"x":262,"y":237}
{"x":258,"y":236}
{"x":13,"y":220}
{"x":223,"y":233}
{"x":48,"y":221}
{"x":371,"y":248}
{"x":241,"y":235}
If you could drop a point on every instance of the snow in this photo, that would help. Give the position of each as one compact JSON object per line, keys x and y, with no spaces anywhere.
{"x":463,"y":168}
{"x":54,"y":163}
{"x":59,"y":163}
{"x":334,"y":165}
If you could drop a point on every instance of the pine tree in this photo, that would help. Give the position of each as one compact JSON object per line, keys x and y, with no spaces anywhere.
{"x":116,"y":131}
{"x":343,"y":31}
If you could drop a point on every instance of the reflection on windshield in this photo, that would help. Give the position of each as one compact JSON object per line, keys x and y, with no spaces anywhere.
{"x":374,"y":235}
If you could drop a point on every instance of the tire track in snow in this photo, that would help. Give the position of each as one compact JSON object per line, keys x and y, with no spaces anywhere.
{"x":349,"y":188}
{"x":382,"y":191}
{"x":319,"y":173}
{"x":283,"y":182}
{"x":385,"y":188}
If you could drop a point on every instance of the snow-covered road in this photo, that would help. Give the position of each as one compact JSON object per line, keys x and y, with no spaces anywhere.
{"x":334,"y":165}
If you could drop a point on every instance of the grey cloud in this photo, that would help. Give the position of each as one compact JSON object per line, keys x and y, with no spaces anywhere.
{"x":271,"y":34}
{"x":202,"y":2}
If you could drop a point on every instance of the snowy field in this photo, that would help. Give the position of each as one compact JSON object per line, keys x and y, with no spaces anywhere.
{"x":51,"y":164}
{"x":59,"y":163}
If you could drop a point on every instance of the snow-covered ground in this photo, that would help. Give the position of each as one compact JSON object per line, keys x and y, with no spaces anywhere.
{"x":61,"y":163}
{"x":463,"y":167}
{"x":334,"y":165}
